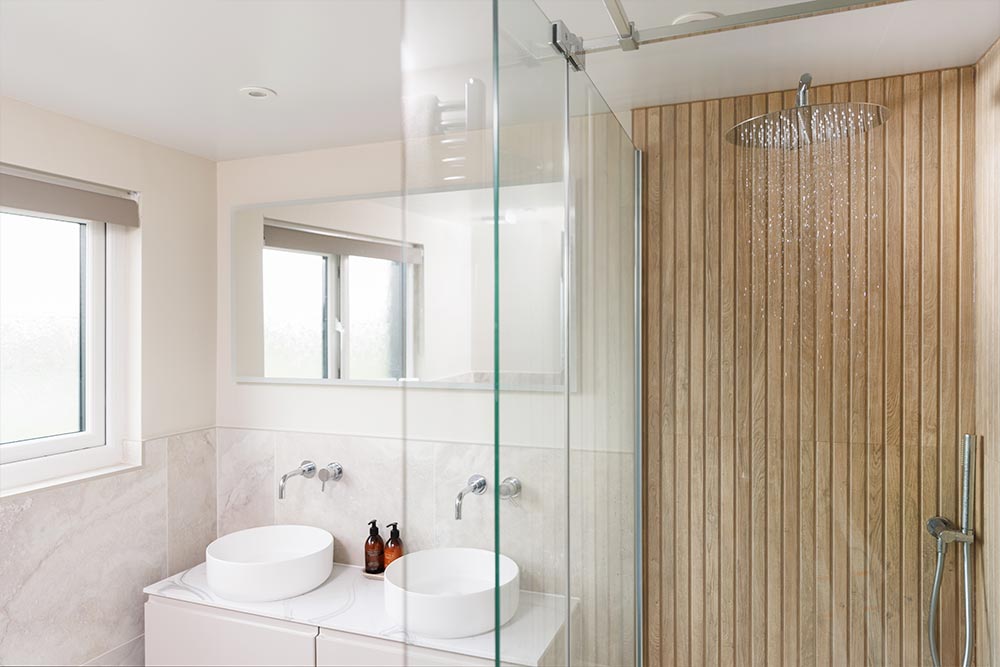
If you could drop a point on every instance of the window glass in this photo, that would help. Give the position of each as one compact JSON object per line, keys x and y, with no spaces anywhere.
{"x":295,"y":319}
{"x":41,"y":323}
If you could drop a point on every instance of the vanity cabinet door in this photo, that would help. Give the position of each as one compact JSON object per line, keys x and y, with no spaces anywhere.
{"x":181,"y":633}
{"x":342,"y":649}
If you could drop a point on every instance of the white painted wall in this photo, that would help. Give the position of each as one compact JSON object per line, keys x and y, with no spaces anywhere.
{"x":178,"y":253}
{"x":91,"y":546}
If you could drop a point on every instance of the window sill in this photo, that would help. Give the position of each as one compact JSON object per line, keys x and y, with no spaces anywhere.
{"x":25,"y":477}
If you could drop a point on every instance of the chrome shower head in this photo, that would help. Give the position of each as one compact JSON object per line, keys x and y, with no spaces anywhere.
{"x":806,"y":124}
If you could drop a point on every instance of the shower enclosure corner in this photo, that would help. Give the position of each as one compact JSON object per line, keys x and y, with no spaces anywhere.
{"x":515,"y":147}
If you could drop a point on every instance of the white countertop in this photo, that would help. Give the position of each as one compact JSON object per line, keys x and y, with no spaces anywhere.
{"x":349,"y":602}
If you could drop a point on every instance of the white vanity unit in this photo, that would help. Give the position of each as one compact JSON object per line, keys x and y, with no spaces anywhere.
{"x":343,"y":622}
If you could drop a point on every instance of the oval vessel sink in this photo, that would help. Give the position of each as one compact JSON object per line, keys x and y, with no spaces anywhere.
{"x":269,"y":563}
{"x":449,"y":592}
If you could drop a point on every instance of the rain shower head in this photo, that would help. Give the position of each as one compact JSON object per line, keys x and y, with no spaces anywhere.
{"x":806,"y":124}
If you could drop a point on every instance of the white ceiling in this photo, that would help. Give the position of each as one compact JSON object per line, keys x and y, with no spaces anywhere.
{"x":912,"y":36}
{"x":589,"y":19}
{"x":169,"y":70}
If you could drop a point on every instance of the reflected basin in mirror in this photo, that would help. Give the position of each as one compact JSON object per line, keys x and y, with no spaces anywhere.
{"x":450,"y":592}
{"x":269,"y":563}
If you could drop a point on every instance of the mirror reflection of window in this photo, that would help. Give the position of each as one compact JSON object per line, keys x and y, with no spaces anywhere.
{"x":337,"y":307}
{"x":295,"y":314}
{"x":375,"y":319}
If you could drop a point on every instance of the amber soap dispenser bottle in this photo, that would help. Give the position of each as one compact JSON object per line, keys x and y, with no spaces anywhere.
{"x":374,"y":550}
{"x":394,"y":547}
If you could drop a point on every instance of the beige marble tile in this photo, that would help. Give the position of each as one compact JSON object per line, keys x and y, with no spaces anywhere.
{"x":191,"y":497}
{"x":129,"y":654}
{"x":246,"y":479}
{"x":454,"y":463}
{"x":74,"y":560}
{"x":374,"y":486}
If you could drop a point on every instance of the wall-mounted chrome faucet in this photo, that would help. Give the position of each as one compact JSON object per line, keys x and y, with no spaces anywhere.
{"x":477,"y":485}
{"x":306,"y":469}
{"x":331,"y":472}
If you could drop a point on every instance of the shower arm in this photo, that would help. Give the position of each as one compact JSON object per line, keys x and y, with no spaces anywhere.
{"x":802,"y":94}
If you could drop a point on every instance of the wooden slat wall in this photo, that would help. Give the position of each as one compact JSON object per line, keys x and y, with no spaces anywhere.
{"x":987,"y":289}
{"x":804,"y":401}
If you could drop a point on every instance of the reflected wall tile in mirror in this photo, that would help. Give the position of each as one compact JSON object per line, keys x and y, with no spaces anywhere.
{"x":247,"y":486}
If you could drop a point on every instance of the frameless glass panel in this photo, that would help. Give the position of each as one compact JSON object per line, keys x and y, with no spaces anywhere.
{"x":448,"y":211}
{"x":295,"y":315}
{"x":41,"y":346}
{"x":530,"y":237}
{"x":603,"y":436}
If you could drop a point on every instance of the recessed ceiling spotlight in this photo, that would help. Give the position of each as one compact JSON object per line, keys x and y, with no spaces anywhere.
{"x":257,"y":92}
{"x":691,"y":17}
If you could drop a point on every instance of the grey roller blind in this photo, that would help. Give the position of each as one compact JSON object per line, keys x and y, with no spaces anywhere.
{"x":328,"y":244}
{"x":23,"y":191}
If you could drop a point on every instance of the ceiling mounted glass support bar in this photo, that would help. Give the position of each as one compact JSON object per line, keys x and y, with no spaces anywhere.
{"x":798,"y":10}
{"x":628,"y":38}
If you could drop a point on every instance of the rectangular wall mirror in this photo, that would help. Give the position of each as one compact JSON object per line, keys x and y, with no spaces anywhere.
{"x":336,"y":291}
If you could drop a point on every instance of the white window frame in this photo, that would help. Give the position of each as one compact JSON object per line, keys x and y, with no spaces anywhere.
{"x":94,"y":370}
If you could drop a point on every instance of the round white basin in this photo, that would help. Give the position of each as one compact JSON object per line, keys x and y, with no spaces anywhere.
{"x":269,"y":563}
{"x":449,"y":592}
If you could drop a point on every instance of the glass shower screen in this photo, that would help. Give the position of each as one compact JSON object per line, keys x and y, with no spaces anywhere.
{"x":519,"y":194}
{"x":566,"y":260}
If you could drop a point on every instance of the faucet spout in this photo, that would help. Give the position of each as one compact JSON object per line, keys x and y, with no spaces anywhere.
{"x":306,"y":469}
{"x":476,"y":485}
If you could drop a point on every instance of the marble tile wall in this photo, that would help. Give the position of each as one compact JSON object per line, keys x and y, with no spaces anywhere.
{"x":412,"y":482}
{"x":415,"y":483}
{"x":74,"y":559}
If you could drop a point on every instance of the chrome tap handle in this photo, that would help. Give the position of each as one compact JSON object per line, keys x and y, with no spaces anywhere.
{"x":510,"y":489}
{"x":332,"y":472}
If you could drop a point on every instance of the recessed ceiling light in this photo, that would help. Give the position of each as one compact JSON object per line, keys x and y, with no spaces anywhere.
{"x":691,"y":17}
{"x":257,"y":92}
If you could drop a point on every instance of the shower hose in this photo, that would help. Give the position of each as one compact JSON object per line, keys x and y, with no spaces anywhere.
{"x":945,"y":531}
{"x":935,"y":598}
{"x":935,"y":591}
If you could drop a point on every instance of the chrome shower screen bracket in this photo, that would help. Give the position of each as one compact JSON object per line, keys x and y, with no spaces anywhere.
{"x":568,"y":45}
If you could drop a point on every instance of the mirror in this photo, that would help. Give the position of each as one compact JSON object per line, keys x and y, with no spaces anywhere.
{"x":335,"y":291}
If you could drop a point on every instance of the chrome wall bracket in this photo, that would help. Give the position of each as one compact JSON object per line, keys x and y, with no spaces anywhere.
{"x":568,"y":45}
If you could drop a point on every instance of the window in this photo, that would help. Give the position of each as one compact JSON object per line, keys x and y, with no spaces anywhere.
{"x":338,"y":307}
{"x":52,"y":337}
